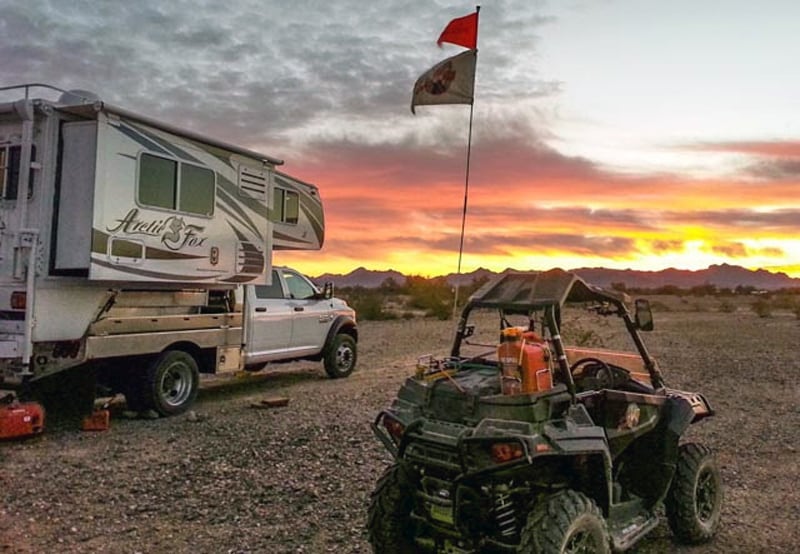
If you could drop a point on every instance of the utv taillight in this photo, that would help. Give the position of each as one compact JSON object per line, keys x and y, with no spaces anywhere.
{"x":394,"y":427}
{"x":503,"y":452}
{"x":18,"y":300}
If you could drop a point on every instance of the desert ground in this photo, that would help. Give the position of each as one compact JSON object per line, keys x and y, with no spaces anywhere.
{"x":228,"y":478}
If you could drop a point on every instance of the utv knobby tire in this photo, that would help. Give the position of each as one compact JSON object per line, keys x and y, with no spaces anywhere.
{"x":694,"y":502}
{"x":171,"y":382}
{"x":389,"y":527}
{"x":567,"y":522}
{"x":340,"y":358}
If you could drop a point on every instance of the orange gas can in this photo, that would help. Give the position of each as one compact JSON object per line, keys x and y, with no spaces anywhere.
{"x":524,"y":361}
{"x":98,"y":420}
{"x":21,"y":419}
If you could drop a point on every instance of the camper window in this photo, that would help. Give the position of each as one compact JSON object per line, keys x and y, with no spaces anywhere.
{"x":197,"y":189}
{"x":165,"y":183}
{"x":287,"y":206}
{"x":158,"y":181}
{"x":10,"y":157}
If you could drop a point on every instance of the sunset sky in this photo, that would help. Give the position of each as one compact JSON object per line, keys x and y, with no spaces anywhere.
{"x":625,"y":134}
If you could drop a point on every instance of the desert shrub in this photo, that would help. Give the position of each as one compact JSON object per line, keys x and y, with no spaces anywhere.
{"x":368,"y":303}
{"x":706,"y":289}
{"x":727,"y":307}
{"x":577,"y":334}
{"x":762,"y":307}
{"x":433,"y":296}
{"x":785,"y":302}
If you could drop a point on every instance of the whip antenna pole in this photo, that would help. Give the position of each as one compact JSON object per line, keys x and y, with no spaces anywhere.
{"x":466,"y":180}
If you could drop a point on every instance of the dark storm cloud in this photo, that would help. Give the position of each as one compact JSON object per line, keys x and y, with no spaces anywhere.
{"x":730,"y":249}
{"x":665,"y":246}
{"x":505,"y":149}
{"x":739,"y":250}
{"x":541,"y":243}
{"x":780,"y":169}
{"x":772,"y":220}
{"x":493,"y":245}
{"x":246,"y":70}
{"x":773,"y":160}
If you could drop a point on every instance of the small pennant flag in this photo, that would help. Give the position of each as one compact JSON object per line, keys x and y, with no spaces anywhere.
{"x":462,"y":31}
{"x":451,"y":81}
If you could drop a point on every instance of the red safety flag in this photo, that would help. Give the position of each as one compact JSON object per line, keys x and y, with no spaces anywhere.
{"x":462,"y":31}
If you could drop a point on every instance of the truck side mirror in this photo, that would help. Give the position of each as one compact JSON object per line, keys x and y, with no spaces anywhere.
{"x":643,"y":315}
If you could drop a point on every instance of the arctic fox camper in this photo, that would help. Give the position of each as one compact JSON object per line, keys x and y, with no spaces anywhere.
{"x":127,"y":246}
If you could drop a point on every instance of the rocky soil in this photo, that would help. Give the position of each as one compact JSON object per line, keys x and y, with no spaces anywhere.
{"x":228,"y":478}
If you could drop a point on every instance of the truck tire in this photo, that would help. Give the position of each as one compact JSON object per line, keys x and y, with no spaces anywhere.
{"x":694,"y":502}
{"x":389,"y":525}
{"x":567,"y":522}
{"x":340,"y":358}
{"x":171,"y":382}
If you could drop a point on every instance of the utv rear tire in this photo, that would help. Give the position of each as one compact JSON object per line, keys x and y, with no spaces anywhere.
{"x":567,"y":522}
{"x":171,"y":382}
{"x":389,"y":526}
{"x":694,"y":501}
{"x":340,"y":359}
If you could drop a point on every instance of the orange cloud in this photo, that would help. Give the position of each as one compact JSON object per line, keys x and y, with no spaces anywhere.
{"x":399,"y":206}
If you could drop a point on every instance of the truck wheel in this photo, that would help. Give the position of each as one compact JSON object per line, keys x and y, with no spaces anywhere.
{"x":567,"y":522}
{"x":340,"y":359}
{"x":172,"y":381}
{"x":694,"y":501}
{"x":389,"y":526}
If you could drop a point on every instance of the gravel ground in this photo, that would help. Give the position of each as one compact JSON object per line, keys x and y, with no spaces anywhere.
{"x":230,"y":478}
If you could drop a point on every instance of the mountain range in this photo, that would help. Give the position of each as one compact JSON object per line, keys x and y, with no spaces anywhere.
{"x":722,"y":276}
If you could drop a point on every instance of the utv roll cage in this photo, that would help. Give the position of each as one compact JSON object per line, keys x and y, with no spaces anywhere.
{"x":528,"y":293}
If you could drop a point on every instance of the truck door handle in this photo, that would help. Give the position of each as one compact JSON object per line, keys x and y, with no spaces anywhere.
{"x":262,"y":309}
{"x":298,"y":308}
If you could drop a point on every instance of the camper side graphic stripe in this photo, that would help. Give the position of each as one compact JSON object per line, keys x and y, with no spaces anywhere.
{"x":152,"y":274}
{"x":178,"y":152}
{"x":307,"y":207}
{"x":233,"y":192}
{"x":229,"y":205}
{"x":148,"y":144}
{"x":100,"y":246}
{"x":293,"y":242}
{"x":250,"y":259}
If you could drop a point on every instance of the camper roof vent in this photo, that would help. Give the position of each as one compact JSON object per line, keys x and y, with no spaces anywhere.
{"x":77,"y":96}
{"x":253,"y":182}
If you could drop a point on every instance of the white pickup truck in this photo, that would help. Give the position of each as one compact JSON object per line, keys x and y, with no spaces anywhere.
{"x":153,"y":346}
{"x":244,"y":329}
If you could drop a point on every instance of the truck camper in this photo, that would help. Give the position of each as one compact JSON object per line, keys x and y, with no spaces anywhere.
{"x":131,"y":248}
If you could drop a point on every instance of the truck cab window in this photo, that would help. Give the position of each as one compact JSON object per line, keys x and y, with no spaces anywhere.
{"x":270,"y":291}
{"x":299,"y":287}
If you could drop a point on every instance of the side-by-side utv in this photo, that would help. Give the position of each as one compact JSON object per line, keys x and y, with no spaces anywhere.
{"x":526,"y":444}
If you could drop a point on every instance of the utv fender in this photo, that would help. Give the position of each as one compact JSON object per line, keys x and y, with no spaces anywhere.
{"x":577,"y":434}
{"x":681,"y":415}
